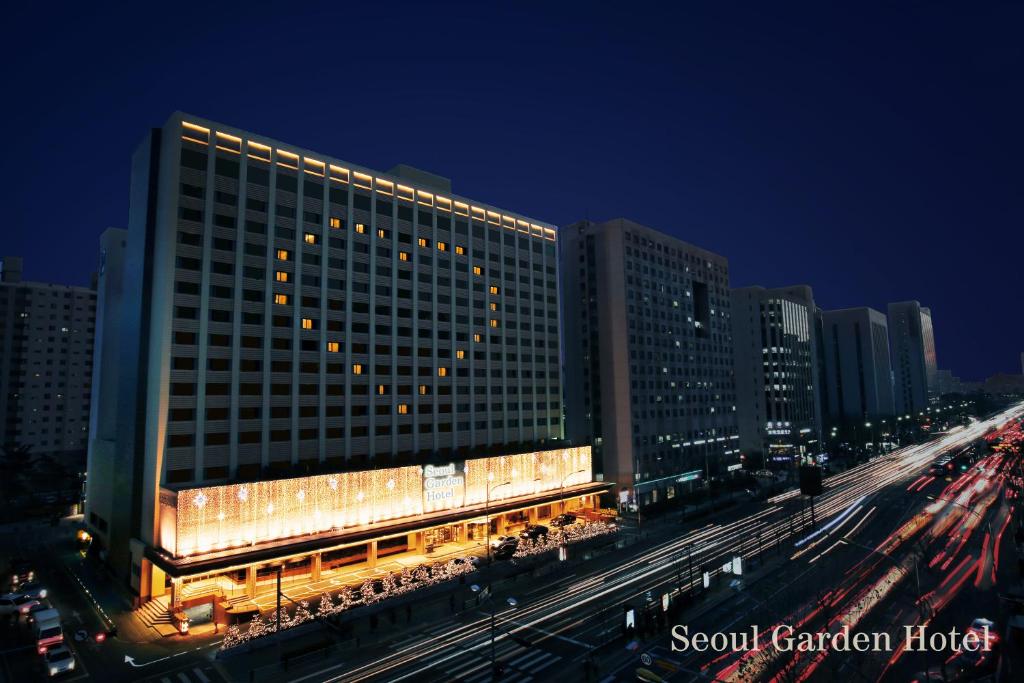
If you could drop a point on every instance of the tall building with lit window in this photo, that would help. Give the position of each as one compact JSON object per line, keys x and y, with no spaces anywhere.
{"x":46,"y":344}
{"x":649,"y":358}
{"x":777,"y":385}
{"x":915,"y":372}
{"x":287,"y":318}
{"x":855,"y":347}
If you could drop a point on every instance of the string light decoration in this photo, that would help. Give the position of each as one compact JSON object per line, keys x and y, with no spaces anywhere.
{"x":196,"y":521}
{"x":371,"y":591}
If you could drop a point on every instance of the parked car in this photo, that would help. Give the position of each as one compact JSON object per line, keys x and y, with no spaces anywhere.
{"x":18,"y":573}
{"x":534,"y":531}
{"x":58,"y":660}
{"x":33,"y":589}
{"x":506,"y":549}
{"x":564,"y":519}
{"x":16,"y":603}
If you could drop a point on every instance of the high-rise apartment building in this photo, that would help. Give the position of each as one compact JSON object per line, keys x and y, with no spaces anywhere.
{"x":297,"y":339}
{"x":46,"y":344}
{"x":855,"y":346}
{"x":913,"y":356}
{"x":648,"y":355}
{"x":777,"y":384}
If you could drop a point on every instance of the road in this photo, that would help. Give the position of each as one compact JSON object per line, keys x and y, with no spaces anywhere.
{"x":556,"y":627}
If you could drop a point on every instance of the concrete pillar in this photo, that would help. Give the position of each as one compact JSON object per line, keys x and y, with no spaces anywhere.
{"x":371,"y":554}
{"x":175,"y":594}
{"x":462,"y":532}
{"x":532,"y":515}
{"x":314,"y":567}
{"x":157,"y":581}
{"x":416,"y":542}
{"x":250,"y":581}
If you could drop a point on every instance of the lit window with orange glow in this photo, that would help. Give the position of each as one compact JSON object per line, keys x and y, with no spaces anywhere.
{"x":334,"y":222}
{"x":309,"y":238}
{"x":333,"y":347}
{"x":477,"y":270}
{"x":307,"y":323}
{"x":495,"y":290}
{"x":382,"y":389}
{"x":281,"y":276}
{"x":460,"y":354}
{"x":360,"y":228}
{"x":282,"y":254}
{"x":442,"y":372}
{"x":424,"y":390}
{"x":460,"y":250}
{"x":403,"y":256}
{"x":477,"y":337}
{"x":403,"y":408}
{"x":441,"y":246}
{"x":494,"y":322}
{"x":423,"y":242}
{"x":494,"y":306}
{"x":357,"y":369}
{"x":281,"y":299}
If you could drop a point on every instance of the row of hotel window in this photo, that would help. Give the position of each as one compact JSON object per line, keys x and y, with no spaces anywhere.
{"x":287,"y":189}
{"x":338,"y":389}
{"x":313,"y":221}
{"x":356,"y":431}
{"x":250,"y":342}
{"x":336,"y":410}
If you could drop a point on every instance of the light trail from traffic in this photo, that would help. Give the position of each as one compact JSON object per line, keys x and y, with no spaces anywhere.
{"x":552,"y":614}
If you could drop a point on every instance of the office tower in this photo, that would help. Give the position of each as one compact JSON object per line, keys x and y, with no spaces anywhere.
{"x":648,"y":352}
{"x":913,"y":356}
{"x":855,"y":344}
{"x":308,"y":346}
{"x":46,"y":342}
{"x":775,"y":346}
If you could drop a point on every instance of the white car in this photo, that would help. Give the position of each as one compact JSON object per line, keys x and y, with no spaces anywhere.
{"x":33,"y":589}
{"x":58,"y":660}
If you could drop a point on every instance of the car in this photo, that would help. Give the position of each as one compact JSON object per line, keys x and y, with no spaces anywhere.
{"x":534,"y":531}
{"x":33,"y":589}
{"x":495,"y":542}
{"x":20,"y":572}
{"x":16,"y":603}
{"x":58,"y":660}
{"x":564,"y":519}
{"x":506,"y":550}
{"x":48,"y":633}
{"x":42,"y":609}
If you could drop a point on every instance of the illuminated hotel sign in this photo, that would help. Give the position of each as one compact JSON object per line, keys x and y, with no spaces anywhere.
{"x":444,"y":486}
{"x":196,"y":521}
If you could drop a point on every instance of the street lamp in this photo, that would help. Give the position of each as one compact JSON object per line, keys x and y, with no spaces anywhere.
{"x":487,"y":515}
{"x":562,"y":487}
{"x":485,"y":595}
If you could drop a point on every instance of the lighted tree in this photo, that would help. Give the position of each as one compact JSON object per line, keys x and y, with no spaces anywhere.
{"x":302,"y":613}
{"x":326,"y":607}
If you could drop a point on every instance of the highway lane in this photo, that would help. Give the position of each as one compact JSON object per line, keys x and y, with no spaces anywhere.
{"x":552,"y":616}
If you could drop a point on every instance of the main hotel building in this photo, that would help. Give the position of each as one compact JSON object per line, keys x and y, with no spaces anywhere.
{"x":318,"y":364}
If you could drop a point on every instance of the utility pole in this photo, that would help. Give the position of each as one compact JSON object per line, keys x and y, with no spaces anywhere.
{"x":277,"y":614}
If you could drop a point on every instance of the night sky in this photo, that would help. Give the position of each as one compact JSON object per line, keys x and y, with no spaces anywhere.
{"x":875,"y":154}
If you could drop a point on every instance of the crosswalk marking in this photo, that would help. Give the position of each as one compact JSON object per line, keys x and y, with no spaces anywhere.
{"x":409,"y":641}
{"x":200,"y":675}
{"x":183,"y":678}
{"x":526,"y":659}
{"x":165,"y":679}
{"x":544,"y":664}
